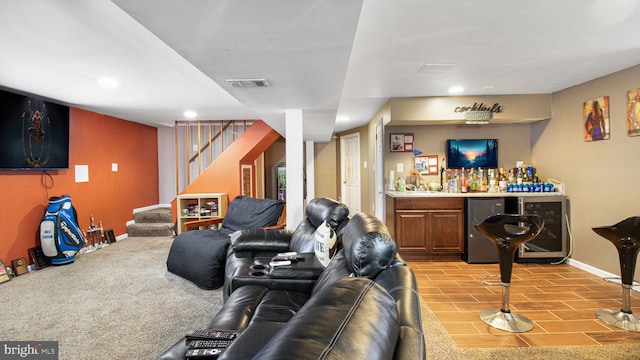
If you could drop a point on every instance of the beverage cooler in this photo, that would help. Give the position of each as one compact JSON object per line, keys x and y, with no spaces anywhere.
{"x":551,"y":245}
{"x":281,"y":182}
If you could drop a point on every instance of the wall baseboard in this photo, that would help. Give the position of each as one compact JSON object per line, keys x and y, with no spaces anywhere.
{"x":595,"y":271}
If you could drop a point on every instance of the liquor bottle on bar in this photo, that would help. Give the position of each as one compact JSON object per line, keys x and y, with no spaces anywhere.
{"x":493,"y":183}
{"x":463,"y":182}
{"x":502,"y":180}
{"x":454,"y":182}
{"x":483,"y":181}
{"x":511,"y":179}
{"x":518,"y":175}
{"x":473,"y":181}
{"x":526,"y":179}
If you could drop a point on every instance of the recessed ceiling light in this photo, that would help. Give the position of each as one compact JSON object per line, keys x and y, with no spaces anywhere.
{"x":190,"y":114}
{"x":108,"y":82}
{"x":343,"y":118}
{"x":456,"y":89}
{"x":488,"y":87}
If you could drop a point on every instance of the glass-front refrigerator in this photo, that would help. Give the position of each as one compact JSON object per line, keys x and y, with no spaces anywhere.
{"x":551,"y":245}
{"x":281,"y":182}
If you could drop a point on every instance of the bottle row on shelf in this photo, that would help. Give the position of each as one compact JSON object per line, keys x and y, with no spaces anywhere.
{"x":519,"y":179}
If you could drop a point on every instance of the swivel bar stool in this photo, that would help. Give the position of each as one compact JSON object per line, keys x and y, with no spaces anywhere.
{"x":625,"y":236}
{"x":508,"y":232}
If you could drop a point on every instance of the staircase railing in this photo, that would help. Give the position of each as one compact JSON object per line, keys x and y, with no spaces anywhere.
{"x":199,"y":143}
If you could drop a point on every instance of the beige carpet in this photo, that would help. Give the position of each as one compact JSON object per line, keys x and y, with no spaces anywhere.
{"x":441,"y":346}
{"x":118,"y":302}
{"x":121,"y":303}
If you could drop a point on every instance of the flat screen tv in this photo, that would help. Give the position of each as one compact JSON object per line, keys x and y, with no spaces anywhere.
{"x":472,"y":153}
{"x":34,"y":134}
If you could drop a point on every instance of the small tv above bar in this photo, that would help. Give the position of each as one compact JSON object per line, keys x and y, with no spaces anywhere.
{"x":472,"y":153}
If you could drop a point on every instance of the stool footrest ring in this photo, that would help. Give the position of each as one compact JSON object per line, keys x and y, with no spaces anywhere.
{"x":491,"y":283}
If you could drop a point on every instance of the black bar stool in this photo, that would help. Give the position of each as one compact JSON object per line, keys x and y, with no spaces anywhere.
{"x":625,"y":236}
{"x":508,"y":232}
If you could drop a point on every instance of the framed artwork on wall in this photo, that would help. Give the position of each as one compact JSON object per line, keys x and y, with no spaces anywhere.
{"x":401,"y":142}
{"x":427,"y":164}
{"x":633,"y":112}
{"x":596,"y":119}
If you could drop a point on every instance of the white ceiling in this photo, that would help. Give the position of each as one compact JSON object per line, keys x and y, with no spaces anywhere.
{"x":330,"y":58}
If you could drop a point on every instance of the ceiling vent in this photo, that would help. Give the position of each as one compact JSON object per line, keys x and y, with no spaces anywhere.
{"x":248,"y":83}
{"x":440,"y":68}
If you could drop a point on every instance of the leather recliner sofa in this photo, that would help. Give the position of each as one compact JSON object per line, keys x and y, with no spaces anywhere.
{"x":251,"y":246}
{"x":364,"y":305}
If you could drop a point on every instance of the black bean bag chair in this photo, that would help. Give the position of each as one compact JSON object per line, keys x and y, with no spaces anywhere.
{"x":199,"y":255}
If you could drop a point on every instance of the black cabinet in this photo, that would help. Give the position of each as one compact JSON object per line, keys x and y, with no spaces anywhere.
{"x":477,"y":248}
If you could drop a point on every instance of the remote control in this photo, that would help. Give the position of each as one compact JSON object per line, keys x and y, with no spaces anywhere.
{"x":203,"y":353}
{"x":209,"y":344}
{"x":280,"y":263}
{"x":290,"y":253}
{"x":210,"y":334}
{"x":287,"y":257}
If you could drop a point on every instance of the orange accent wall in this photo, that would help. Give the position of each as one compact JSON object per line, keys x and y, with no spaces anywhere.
{"x":223,"y":175}
{"x":97,"y":141}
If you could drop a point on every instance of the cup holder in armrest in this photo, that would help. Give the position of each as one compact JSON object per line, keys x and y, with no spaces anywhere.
{"x":258,"y":270}
{"x":257,"y":273}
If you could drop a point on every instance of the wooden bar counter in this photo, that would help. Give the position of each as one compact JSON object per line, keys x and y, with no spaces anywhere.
{"x":430,"y":225}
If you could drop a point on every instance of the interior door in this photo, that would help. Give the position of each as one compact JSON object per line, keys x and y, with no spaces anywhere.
{"x":350,"y":171}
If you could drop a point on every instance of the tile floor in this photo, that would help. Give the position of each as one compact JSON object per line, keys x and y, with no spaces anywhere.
{"x":561,"y":300}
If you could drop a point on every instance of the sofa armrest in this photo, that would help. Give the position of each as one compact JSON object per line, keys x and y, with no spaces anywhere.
{"x":354,"y":318}
{"x":400,"y":283}
{"x":261,"y":240}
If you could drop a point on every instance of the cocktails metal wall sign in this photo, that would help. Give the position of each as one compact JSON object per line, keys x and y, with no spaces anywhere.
{"x":478,"y":113}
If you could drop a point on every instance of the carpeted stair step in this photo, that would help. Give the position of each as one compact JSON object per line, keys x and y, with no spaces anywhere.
{"x":159,"y":215}
{"x":150,"y":229}
{"x":155,"y":222}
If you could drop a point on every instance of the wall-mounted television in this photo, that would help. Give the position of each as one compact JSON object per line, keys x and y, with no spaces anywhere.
{"x":34,"y":134}
{"x":472,"y":153}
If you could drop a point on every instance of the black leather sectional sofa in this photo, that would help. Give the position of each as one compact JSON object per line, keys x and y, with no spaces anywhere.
{"x":364,"y":305}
